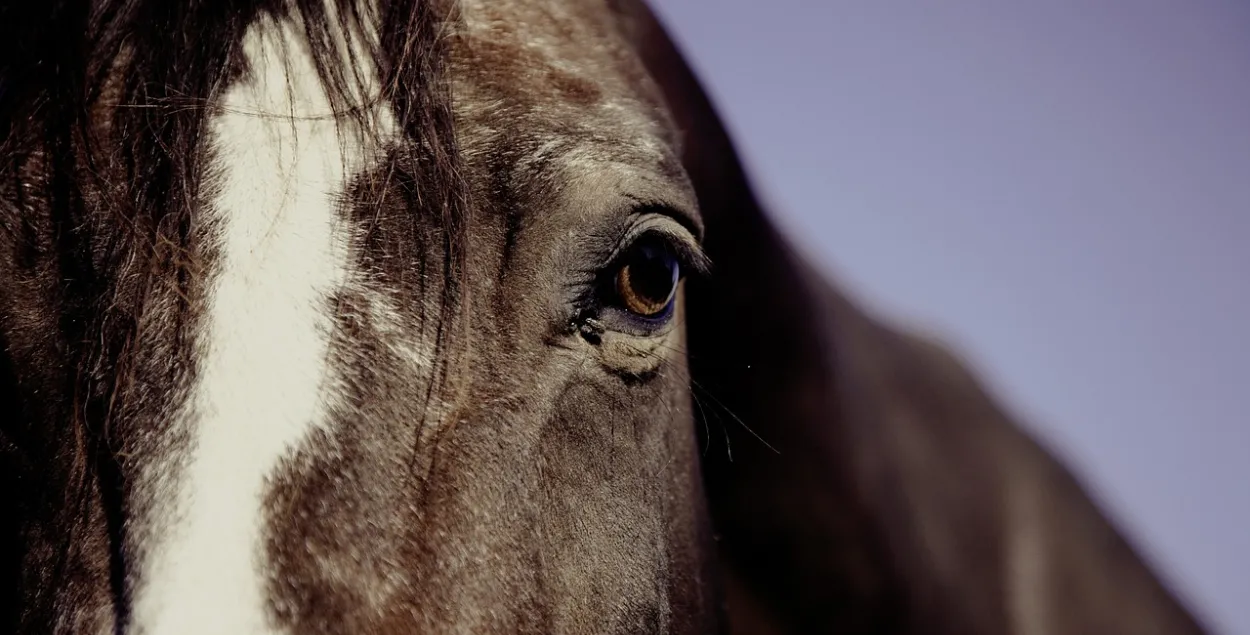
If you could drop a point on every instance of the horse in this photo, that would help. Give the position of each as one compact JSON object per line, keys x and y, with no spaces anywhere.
{"x":422,"y":316}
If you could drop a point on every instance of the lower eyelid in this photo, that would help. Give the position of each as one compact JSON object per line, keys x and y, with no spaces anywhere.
{"x":622,"y":321}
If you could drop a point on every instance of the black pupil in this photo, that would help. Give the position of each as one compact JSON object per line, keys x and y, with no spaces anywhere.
{"x":653,"y":273}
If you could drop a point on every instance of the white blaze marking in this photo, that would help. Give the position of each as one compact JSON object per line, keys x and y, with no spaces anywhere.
{"x":263,"y":368}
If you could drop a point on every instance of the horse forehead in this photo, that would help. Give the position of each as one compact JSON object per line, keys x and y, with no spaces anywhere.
{"x":553,"y":71}
{"x":556,"y":29}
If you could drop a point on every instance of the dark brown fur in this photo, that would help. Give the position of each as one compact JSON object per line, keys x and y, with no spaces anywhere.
{"x":788,"y":464}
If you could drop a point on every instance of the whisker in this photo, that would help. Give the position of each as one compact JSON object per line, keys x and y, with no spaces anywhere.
{"x":695,"y":385}
{"x":707,"y":431}
{"x":736,"y":418}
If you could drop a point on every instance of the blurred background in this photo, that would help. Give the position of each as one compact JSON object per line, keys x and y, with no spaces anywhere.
{"x":1062,"y":190}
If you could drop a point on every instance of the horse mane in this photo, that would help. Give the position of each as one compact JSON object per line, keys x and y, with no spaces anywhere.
{"x":103,"y":112}
{"x":150,"y":71}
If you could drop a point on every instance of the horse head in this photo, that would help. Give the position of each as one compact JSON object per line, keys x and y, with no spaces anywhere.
{"x":433,"y":317}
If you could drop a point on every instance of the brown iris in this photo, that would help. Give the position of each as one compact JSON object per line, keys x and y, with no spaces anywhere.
{"x":647,"y":281}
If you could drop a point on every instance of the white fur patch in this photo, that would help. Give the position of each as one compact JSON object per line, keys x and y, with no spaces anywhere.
{"x":280,"y":167}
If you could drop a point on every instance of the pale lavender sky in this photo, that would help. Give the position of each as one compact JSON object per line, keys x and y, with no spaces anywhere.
{"x":1062,"y":187}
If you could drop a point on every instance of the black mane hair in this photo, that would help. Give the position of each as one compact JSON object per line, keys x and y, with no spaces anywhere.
{"x":103,"y":107}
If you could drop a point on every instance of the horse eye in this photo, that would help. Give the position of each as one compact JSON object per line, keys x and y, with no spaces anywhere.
{"x":647,"y":279}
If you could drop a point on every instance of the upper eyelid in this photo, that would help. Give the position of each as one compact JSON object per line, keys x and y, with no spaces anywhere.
{"x":680,"y":214}
{"x":655,"y":221}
